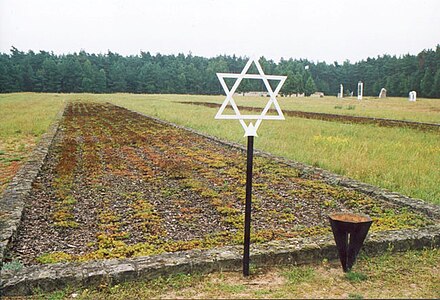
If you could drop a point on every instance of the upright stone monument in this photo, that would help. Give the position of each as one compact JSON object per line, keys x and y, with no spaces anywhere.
{"x":383,"y":93}
{"x":360,"y":90}
{"x":412,"y":96}
{"x":341,"y":91}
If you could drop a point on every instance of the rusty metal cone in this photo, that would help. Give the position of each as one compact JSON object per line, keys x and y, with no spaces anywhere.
{"x":349,"y":231}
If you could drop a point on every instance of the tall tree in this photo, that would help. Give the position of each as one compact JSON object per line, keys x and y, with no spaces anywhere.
{"x":71,"y":74}
{"x":310,"y":87}
{"x":100,"y":82}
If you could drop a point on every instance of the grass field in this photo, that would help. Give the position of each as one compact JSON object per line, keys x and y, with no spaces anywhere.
{"x":403,"y":160}
{"x":424,"y":110}
{"x":24,"y":118}
{"x":400,"y":159}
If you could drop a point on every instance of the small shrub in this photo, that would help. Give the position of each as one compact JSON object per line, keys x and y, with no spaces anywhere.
{"x":297,"y":275}
{"x":62,"y":215}
{"x":69,"y":200}
{"x":253,"y":269}
{"x":17,"y":158}
{"x":355,"y":276}
{"x":66,"y":224}
{"x":14,"y":265}
{"x":57,"y":295}
{"x":231,"y":288}
{"x":54,"y":257}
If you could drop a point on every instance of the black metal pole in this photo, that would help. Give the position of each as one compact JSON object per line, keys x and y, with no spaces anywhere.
{"x":247,"y":211}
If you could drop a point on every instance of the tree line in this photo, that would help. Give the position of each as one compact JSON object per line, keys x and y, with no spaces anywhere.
{"x":187,"y":74}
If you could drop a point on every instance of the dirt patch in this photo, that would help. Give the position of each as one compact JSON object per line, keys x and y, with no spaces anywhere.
{"x":117,"y":184}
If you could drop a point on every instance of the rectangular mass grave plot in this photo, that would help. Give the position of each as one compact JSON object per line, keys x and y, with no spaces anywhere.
{"x":117,"y":184}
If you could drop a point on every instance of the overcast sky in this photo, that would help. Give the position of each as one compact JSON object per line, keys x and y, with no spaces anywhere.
{"x":319,"y":30}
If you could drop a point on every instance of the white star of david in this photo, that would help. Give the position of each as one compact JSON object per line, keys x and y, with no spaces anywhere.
{"x":251,"y":129}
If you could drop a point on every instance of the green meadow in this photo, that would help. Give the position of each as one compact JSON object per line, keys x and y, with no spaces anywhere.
{"x":399,"y":159}
{"x":24,"y":117}
{"x":423,"y":110}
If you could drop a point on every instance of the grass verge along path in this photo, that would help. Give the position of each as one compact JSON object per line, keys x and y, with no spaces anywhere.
{"x":24,"y":117}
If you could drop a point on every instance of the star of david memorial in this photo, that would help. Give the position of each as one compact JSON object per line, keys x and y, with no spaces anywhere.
{"x":250,"y":131}
{"x":349,"y":232}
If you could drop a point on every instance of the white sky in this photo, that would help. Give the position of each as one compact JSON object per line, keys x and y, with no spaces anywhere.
{"x":324,"y":30}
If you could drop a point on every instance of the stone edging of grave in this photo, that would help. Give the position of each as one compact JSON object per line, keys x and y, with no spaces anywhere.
{"x":292,"y":251}
{"x":12,"y":199}
{"x":429,"y":209}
